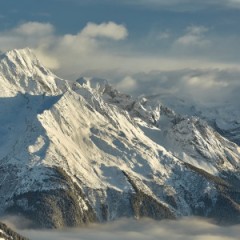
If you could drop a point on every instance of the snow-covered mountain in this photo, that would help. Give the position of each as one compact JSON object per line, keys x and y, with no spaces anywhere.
{"x":223,"y":117}
{"x":79,"y":152}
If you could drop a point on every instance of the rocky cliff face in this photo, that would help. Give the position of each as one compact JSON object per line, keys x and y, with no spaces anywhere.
{"x":79,"y":152}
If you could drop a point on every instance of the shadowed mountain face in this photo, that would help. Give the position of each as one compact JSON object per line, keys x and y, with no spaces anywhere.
{"x":78,"y":152}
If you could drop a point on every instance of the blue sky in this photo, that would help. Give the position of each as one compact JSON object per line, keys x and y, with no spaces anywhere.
{"x":119,"y":39}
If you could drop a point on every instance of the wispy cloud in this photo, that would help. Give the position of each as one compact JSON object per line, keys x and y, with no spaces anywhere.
{"x":127,"y":82}
{"x":194,"y":36}
{"x":206,"y":86}
{"x":109,"y":30}
{"x":126,"y":229}
{"x":30,"y":34}
{"x":34,"y":29}
{"x":67,"y":50}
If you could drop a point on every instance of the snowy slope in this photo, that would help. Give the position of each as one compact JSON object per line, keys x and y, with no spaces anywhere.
{"x":80,"y":152}
{"x":223,"y":117}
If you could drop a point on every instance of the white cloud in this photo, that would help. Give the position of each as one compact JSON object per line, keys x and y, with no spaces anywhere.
{"x":205,"y":82}
{"x":127,"y":82}
{"x":87,"y":40}
{"x":202,"y":86}
{"x":194,"y":36}
{"x":68,"y":50}
{"x":109,"y":30}
{"x":46,"y":59}
{"x":90,"y":50}
{"x":34,"y":28}
{"x":38,"y":36}
{"x":29,"y":34}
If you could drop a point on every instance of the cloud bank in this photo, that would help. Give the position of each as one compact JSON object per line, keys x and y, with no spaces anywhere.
{"x":104,"y":47}
{"x":207,"y":87}
{"x":125,"y":229}
{"x":187,"y":70}
{"x":69,"y":52}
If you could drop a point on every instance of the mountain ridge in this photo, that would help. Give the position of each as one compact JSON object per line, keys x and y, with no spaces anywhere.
{"x":79,"y":152}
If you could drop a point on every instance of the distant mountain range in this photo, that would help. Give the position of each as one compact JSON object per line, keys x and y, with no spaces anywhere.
{"x":79,"y":152}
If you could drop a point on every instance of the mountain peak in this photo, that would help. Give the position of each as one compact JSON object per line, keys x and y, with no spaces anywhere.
{"x":18,"y":51}
{"x":20,"y":55}
{"x":21,"y":71}
{"x":95,"y":83}
{"x":24,"y":59}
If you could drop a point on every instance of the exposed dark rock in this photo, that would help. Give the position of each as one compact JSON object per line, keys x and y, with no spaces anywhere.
{"x":54,"y":208}
{"x":226,"y":209}
{"x":145,"y":205}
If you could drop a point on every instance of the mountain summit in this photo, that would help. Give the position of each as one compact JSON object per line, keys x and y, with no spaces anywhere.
{"x":79,"y":152}
{"x":21,"y":71}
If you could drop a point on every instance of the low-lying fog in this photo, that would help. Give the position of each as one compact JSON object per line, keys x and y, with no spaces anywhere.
{"x":145,"y":229}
